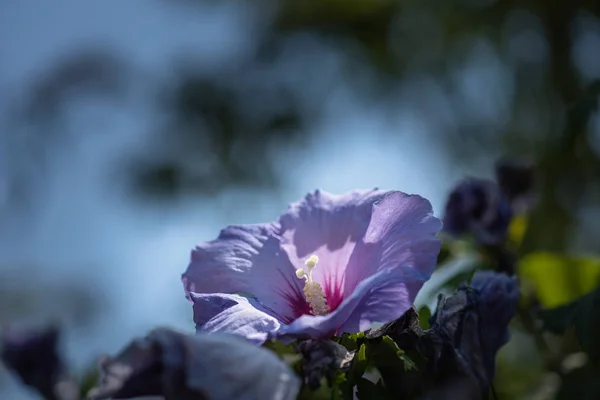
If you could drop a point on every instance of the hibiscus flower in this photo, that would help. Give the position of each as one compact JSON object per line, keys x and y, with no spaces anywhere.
{"x":330,"y":264}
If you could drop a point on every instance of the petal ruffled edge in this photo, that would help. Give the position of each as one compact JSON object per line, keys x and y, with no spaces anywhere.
{"x":234,"y":314}
{"x":247,"y":259}
{"x":348,"y":214}
{"x":401,"y":234}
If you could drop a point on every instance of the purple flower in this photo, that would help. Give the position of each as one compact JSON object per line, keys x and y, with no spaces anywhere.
{"x":330,"y":264}
{"x":174,"y":365}
{"x":474,"y":321}
{"x":478,"y":207}
{"x":497,"y":306}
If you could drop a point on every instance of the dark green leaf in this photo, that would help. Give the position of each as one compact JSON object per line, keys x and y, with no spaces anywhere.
{"x":581,"y":316}
{"x":444,"y":253}
{"x":581,"y":383}
{"x":88,"y":380}
{"x":323,"y":392}
{"x":385,"y":353}
{"x":279,"y":348}
{"x":367,"y":390}
{"x":350,"y":341}
{"x":358,"y":366}
{"x":424,"y":315}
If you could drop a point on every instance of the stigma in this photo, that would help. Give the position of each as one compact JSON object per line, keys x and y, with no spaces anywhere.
{"x":312,"y":290}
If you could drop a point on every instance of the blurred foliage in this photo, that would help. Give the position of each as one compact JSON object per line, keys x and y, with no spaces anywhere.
{"x":70,"y":302}
{"x":582,"y":317}
{"x":558,"y":279}
{"x":219,"y":135}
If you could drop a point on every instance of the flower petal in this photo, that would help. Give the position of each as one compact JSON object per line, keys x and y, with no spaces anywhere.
{"x":247,"y":258}
{"x":382,"y":297}
{"x":401,"y":234}
{"x":233,"y":314}
{"x":328,"y":226}
{"x":386,"y":269}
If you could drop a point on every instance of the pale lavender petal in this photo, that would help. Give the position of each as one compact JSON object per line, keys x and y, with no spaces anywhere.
{"x":233,"y":314}
{"x":400,"y":235}
{"x":247,"y":258}
{"x":328,"y":226}
{"x":382,"y":297}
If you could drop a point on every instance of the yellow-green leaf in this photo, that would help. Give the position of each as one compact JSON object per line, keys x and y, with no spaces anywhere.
{"x":558,"y":279}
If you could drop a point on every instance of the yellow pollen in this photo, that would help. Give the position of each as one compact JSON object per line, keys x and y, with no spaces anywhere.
{"x":311,"y":262}
{"x":300,"y":273}
{"x":316,"y":298}
{"x":312,"y":290}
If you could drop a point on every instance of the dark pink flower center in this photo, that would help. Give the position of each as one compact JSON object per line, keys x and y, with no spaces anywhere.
{"x":295,"y":297}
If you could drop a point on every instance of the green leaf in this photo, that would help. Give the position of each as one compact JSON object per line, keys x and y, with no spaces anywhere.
{"x":358,"y":366}
{"x":88,"y":380}
{"x":558,"y":279}
{"x":424,"y":315}
{"x":323,"y":392}
{"x":582,"y":317}
{"x":286,"y":352}
{"x":279,"y":348}
{"x":444,"y":254}
{"x":385,"y":353}
{"x":581,"y":383}
{"x":357,"y":369}
{"x":340,"y":388}
{"x":367,"y":390}
{"x":350,"y":341}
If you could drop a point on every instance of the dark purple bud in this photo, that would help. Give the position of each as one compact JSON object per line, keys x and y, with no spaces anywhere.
{"x":195,"y":367}
{"x":478,"y":207}
{"x":499,"y":296}
{"x":443,"y":372}
{"x":475,"y":321}
{"x":31,"y":353}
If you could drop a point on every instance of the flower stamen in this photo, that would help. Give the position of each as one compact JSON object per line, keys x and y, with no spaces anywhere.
{"x":312,"y":290}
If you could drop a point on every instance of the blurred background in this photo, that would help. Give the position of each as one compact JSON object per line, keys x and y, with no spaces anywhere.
{"x":132,"y":130}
